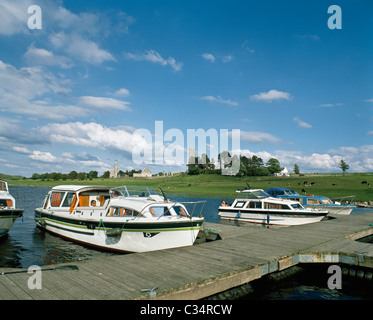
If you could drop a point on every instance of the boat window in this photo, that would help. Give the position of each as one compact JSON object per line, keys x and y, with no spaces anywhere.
{"x":121,"y":212}
{"x":68,"y":199}
{"x":297,"y":206}
{"x":159,"y":211}
{"x":313,"y":201}
{"x":300,"y":200}
{"x":5,"y":203}
{"x":268,"y":205}
{"x":56,"y":198}
{"x":180,"y":211}
{"x":240,"y":204}
{"x":254,"y":204}
{"x":327,"y":201}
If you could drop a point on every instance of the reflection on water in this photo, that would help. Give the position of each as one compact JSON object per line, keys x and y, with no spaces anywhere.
{"x":28,"y":245}
{"x":310,"y":283}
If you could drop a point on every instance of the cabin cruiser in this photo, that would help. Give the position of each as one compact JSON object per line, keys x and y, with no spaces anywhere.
{"x":312,"y":201}
{"x":256,"y":206}
{"x":8,"y":211}
{"x":124,"y":219}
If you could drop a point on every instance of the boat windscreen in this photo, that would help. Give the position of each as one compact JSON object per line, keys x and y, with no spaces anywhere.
{"x":253,"y":194}
{"x":132,"y":191}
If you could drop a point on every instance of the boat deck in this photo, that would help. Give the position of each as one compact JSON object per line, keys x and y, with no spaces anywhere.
{"x":244,"y":253}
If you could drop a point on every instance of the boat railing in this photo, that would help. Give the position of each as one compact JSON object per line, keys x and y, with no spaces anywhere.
{"x":189,"y":214}
{"x":195,"y":203}
{"x":345,"y":199}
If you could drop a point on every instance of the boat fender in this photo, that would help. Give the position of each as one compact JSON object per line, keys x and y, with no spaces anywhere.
{"x":113,"y":232}
{"x":239,"y":214}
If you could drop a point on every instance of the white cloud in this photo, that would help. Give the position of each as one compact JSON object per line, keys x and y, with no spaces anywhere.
{"x":154,"y":57}
{"x":93,"y":135}
{"x":369,"y":100}
{"x":370,"y":133}
{"x":30,"y":91}
{"x":246,"y":47}
{"x":302,"y":124}
{"x":219,"y":99}
{"x":78,"y":47}
{"x":103,"y":103}
{"x":44,"y":57}
{"x":212,"y":58}
{"x":21,"y":150}
{"x":330,"y":105}
{"x":227,"y":58}
{"x":122,"y":92}
{"x":208,"y":56}
{"x":272,"y":95}
{"x":259,"y":137}
{"x":13,"y":16}
{"x":43,"y":156}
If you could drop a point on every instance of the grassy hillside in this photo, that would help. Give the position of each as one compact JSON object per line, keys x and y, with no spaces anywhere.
{"x":331,"y":185}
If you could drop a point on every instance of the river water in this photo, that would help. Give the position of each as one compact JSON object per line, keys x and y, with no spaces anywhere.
{"x":27,"y":245}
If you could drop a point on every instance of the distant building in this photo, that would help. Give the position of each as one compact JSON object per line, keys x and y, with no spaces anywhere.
{"x":114,"y":174}
{"x":283,"y":173}
{"x":192,"y":156}
{"x":146,"y":173}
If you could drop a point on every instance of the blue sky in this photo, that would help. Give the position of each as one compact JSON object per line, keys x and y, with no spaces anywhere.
{"x":74,"y":94}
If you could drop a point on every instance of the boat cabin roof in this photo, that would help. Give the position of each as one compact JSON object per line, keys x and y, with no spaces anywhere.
{"x":284,"y":192}
{"x":76,"y":188}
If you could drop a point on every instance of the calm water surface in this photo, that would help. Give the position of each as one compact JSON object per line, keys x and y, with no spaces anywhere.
{"x":27,"y":245}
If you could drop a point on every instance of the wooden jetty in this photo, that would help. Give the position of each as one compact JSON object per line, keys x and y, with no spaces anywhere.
{"x":245,"y":253}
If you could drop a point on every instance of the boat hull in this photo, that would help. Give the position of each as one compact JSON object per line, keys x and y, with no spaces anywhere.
{"x":271,"y":217}
{"x":125,"y":236}
{"x":7,"y":218}
{"x":338,"y":209}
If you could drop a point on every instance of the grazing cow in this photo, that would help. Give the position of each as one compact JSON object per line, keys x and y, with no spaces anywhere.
{"x":312,"y":183}
{"x":304,"y":191}
{"x":364,"y":182}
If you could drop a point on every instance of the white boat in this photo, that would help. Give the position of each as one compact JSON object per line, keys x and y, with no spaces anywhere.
{"x":125,"y":219}
{"x":8,"y":211}
{"x":313,"y":201}
{"x":256,"y":206}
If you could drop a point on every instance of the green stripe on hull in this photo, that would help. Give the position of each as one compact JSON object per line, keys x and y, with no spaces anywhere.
{"x":125,"y":226}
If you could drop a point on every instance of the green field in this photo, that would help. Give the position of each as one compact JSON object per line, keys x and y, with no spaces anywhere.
{"x":330,"y":185}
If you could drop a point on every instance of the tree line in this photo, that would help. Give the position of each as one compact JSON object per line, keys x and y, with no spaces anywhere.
{"x":249,"y":166}
{"x":74,"y":175}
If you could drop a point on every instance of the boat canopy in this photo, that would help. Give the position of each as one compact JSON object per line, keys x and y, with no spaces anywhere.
{"x":277,"y":191}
